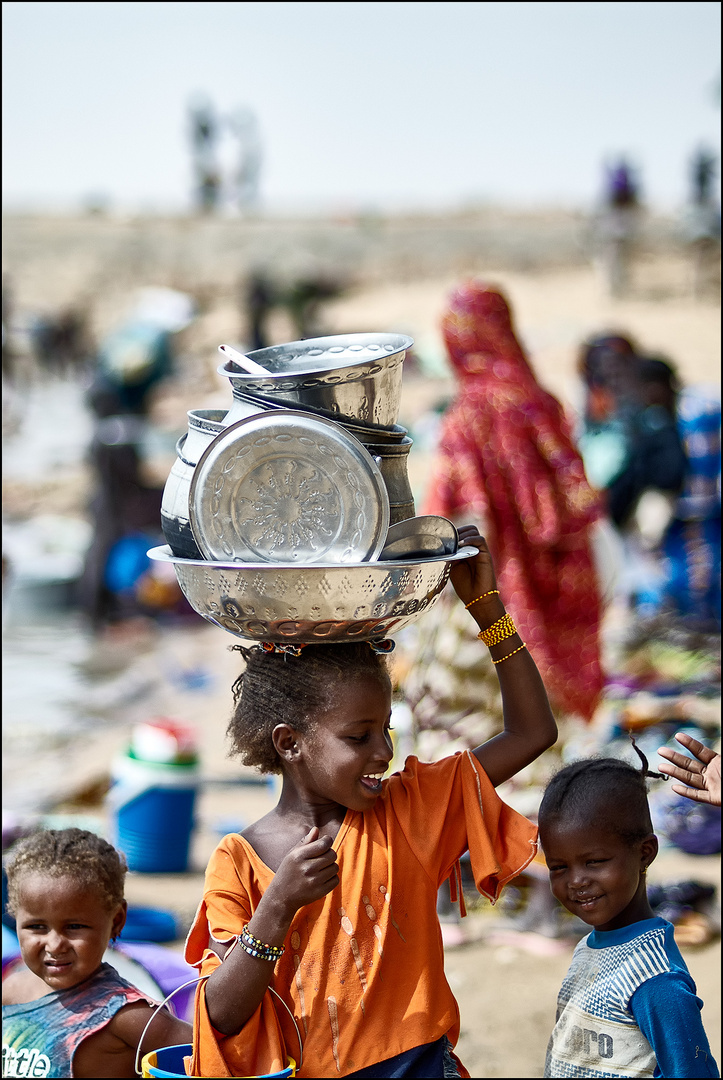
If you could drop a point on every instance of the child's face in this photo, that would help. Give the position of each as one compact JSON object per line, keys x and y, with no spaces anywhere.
{"x":349,"y":747}
{"x":597,"y":875}
{"x":63,"y":929}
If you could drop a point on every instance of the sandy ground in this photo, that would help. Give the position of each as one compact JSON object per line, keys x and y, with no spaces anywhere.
{"x":506,"y":985}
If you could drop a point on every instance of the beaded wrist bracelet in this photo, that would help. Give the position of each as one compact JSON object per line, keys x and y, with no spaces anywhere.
{"x":492,"y":592}
{"x":500,"y":630}
{"x":260,"y":949}
{"x":509,"y":654}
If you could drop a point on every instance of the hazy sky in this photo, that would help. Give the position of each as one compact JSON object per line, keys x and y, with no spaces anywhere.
{"x":359,"y":105}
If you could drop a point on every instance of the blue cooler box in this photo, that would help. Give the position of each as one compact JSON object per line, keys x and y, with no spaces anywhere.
{"x":152,"y":812}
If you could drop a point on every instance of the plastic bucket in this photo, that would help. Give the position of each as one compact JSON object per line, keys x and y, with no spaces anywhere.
{"x":168,"y":1061}
{"x":152,"y":807}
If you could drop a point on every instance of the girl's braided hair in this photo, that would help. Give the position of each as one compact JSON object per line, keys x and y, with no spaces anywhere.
{"x":608,"y":791}
{"x":278,"y":688}
{"x":75,"y":853}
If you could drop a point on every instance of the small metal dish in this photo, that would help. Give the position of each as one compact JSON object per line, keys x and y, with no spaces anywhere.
{"x":274,"y":602}
{"x":429,"y":536}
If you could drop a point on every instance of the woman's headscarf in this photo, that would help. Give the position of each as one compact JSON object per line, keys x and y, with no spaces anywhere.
{"x":506,"y":460}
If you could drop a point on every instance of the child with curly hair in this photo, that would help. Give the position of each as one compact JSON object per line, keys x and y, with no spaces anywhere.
{"x":318,"y":933}
{"x":67,"y":1013}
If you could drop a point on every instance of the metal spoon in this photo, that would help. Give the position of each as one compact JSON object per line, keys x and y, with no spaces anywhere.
{"x":243,"y":361}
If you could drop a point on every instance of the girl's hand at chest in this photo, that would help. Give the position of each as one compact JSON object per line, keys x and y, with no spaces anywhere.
{"x":308,"y":872}
{"x":305,"y":873}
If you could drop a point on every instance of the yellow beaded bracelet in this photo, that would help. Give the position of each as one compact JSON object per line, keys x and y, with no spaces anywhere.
{"x":492,"y":592}
{"x":509,"y":654}
{"x":499,"y":630}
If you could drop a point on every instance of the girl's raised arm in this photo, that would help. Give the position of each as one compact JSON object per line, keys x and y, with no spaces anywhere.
{"x":529,"y":726}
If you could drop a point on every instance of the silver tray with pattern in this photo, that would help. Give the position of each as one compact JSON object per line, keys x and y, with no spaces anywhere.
{"x":272,"y":602}
{"x":287,"y":487}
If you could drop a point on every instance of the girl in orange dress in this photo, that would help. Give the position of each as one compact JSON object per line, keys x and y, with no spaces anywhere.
{"x":318,"y":930}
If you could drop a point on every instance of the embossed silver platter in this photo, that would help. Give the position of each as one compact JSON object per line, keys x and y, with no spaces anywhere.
{"x":287,"y":487}
{"x":274,"y":602}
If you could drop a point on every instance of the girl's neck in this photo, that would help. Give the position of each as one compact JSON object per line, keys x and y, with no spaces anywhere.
{"x":294,"y":808}
{"x":274,"y":836}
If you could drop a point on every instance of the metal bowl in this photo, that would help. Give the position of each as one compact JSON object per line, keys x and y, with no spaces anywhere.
{"x":422,"y":537}
{"x":244,"y":405}
{"x":276,"y":602}
{"x":352,"y":376}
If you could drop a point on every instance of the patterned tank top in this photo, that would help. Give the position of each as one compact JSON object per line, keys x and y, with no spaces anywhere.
{"x":41,"y":1036}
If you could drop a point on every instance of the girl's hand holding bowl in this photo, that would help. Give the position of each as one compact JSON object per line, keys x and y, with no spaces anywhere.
{"x":474,"y":577}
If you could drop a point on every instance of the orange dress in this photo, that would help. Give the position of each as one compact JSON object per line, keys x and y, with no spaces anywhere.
{"x":363,"y":970}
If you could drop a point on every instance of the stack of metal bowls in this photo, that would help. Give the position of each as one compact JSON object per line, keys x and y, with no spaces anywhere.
{"x":277,"y":512}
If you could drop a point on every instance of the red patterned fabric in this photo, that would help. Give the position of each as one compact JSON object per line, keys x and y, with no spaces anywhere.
{"x":507,"y":460}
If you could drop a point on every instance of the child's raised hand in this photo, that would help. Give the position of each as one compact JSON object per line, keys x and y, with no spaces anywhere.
{"x":700,"y":778}
{"x":308,"y":872}
{"x":475,"y":576}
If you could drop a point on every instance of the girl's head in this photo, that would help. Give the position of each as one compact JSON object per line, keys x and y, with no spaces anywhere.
{"x":279,"y":689}
{"x":65,"y":888}
{"x":597,"y":836}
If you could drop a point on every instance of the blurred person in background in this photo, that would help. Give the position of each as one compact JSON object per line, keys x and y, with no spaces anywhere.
{"x":691,"y":545}
{"x":701,"y":222}
{"x":616,"y":226}
{"x":655,"y":458}
{"x":258,"y":300}
{"x":61,"y":342}
{"x":641,"y":494}
{"x":204,"y":132}
{"x":653,"y":449}
{"x":607,"y":367}
{"x":245,"y":182}
{"x":507,"y":455}
{"x":133,"y":360}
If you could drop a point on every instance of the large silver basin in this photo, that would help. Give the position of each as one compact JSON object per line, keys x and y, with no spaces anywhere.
{"x":352,"y":376}
{"x":276,"y":602}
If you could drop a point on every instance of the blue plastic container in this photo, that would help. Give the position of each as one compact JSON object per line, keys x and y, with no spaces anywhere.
{"x":168,"y":1061}
{"x":152,"y":809}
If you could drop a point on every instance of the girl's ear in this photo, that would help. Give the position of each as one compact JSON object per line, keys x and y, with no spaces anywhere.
{"x":648,"y":850}
{"x":286,"y":742}
{"x":119,"y":920}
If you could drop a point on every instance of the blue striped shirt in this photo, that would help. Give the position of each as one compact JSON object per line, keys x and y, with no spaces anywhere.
{"x":628,"y":1008}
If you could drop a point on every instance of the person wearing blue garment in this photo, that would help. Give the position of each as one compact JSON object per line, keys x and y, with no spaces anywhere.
{"x":692,"y":543}
{"x":628,"y":1005}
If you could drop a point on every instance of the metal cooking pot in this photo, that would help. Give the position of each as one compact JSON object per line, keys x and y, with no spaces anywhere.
{"x":203,"y":427}
{"x":393,"y":459}
{"x":365,"y":433}
{"x":351,"y":376}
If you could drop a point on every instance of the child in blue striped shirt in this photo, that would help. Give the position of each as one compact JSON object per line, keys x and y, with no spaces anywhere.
{"x":628,"y":1005}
